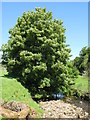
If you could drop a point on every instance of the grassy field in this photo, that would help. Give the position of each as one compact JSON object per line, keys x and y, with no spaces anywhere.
{"x":81,"y":83}
{"x":13,"y":90}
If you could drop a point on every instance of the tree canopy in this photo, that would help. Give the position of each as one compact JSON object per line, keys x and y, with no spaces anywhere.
{"x":38,"y":54}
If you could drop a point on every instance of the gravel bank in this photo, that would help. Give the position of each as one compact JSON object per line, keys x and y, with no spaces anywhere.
{"x":65,"y":109}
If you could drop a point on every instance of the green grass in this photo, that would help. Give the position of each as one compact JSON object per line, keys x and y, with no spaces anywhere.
{"x":81,"y":83}
{"x":13,"y":90}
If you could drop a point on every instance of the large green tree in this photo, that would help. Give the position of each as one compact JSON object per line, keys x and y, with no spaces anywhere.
{"x":38,"y":55}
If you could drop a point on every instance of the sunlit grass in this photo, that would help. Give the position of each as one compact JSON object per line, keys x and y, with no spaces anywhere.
{"x":81,"y":83}
{"x":13,"y":90}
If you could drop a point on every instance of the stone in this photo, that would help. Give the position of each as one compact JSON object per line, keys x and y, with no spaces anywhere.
{"x":80,"y":102}
{"x":61,"y":109}
{"x":15,"y":106}
{"x":8,"y":113}
{"x":17,"y":110}
{"x":24,"y":113}
{"x":1,"y":101}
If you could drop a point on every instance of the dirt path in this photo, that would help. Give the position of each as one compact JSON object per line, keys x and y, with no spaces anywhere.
{"x":65,"y":109}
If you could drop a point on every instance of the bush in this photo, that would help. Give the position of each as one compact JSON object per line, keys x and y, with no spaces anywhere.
{"x":38,"y":55}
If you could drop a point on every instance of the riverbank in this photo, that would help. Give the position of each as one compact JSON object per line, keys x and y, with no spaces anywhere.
{"x":65,"y":109}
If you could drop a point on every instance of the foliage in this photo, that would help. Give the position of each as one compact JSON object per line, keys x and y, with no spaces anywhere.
{"x":82,"y":62}
{"x":38,"y":55}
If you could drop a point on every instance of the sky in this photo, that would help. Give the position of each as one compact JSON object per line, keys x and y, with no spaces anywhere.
{"x":73,"y":14}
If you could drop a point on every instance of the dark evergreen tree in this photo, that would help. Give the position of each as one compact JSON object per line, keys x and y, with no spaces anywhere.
{"x":38,"y":55}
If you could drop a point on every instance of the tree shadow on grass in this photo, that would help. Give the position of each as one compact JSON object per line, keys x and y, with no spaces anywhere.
{"x":9,"y":76}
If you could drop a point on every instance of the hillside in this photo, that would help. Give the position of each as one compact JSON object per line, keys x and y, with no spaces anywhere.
{"x":12,"y":90}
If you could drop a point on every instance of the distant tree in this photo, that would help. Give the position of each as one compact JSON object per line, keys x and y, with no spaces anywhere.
{"x":77,"y":62}
{"x":81,"y":62}
{"x":5,"y":54}
{"x":88,"y":65}
{"x":38,"y":55}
